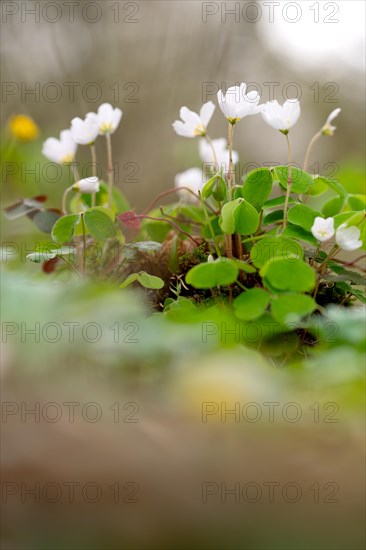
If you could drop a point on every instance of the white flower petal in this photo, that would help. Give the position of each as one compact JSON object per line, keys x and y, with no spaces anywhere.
{"x":60,"y":150}
{"x":323,"y":229}
{"x":348,"y":238}
{"x":281,"y":117}
{"x":333,"y":115}
{"x":87,"y":185}
{"x":182,"y":129}
{"x":206,"y":112}
{"x":193,"y":179}
{"x":193,"y":124}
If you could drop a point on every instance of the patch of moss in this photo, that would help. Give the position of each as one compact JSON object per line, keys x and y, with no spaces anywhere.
{"x":198,"y":256}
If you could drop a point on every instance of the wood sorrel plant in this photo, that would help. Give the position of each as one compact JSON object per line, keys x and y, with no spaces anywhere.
{"x":253,"y":243}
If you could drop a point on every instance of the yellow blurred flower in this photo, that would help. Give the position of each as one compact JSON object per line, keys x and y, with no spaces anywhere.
{"x":23,"y":128}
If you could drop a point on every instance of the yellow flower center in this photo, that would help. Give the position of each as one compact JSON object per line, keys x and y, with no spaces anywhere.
{"x":326,"y":131}
{"x":68,"y":158}
{"x":106,"y":128}
{"x":199,"y":130}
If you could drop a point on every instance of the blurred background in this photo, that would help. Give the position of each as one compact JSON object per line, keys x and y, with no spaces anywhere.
{"x":185,"y":420}
{"x":151,"y":57}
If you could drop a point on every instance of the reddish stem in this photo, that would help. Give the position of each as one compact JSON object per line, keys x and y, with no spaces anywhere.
{"x":169,"y":192}
{"x":142,"y":216}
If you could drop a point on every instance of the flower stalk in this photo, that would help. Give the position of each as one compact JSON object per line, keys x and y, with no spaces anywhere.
{"x":209,"y":225}
{"x":75,"y":171}
{"x":93,"y":153}
{"x":83,"y":265}
{"x":64,"y":199}
{"x":109,"y":169}
{"x":308,"y":151}
{"x":230,"y":174}
{"x":209,"y":141}
{"x":289,"y":182}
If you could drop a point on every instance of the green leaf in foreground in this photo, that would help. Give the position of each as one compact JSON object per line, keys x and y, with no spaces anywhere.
{"x":358,"y":293}
{"x":240,"y":217}
{"x":251,"y":304}
{"x":44,"y":255}
{"x":319,"y":187}
{"x":289,"y":274}
{"x":150,"y":281}
{"x":297,"y":232}
{"x":274,"y":247}
{"x":64,"y":229}
{"x":301,"y":181}
{"x":333,"y":206}
{"x":145,"y":280}
{"x":273,"y":217}
{"x":120,"y":203}
{"x":343,"y":217}
{"x":303,"y":215}
{"x":212,"y":274}
{"x":216,"y":183}
{"x":357,"y":202}
{"x":291,"y":308}
{"x":277,"y":201}
{"x":257,"y":187}
{"x":99,"y":224}
{"x":335,"y":186}
{"x":244,"y":266}
{"x":344,"y":274}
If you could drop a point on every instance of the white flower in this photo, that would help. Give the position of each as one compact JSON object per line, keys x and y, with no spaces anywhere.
{"x":87,"y":185}
{"x":60,"y":150}
{"x":348,"y":238}
{"x":236,"y":104}
{"x":193,"y":124}
{"x":210,"y":258}
{"x":221,"y":150}
{"x":85,"y":131}
{"x":193,"y":179}
{"x":328,"y":129}
{"x":107,"y":118}
{"x":323,"y":229}
{"x":281,"y":117}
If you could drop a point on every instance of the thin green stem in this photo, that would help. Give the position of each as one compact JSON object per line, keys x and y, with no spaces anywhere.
{"x":308,"y":151}
{"x":230,"y":174}
{"x":289,"y":183}
{"x":93,"y":153}
{"x":169,"y":192}
{"x":70,"y":265}
{"x":64,"y":199}
{"x":315,"y":254}
{"x":84,"y":245}
{"x":257,"y":238}
{"x":240,"y":285}
{"x":171,"y":223}
{"x":331,"y":254}
{"x":109,"y":169}
{"x":209,"y":141}
{"x":209,"y":225}
{"x":74,"y":171}
{"x":219,"y":303}
{"x":230,"y":177}
{"x":322,"y":268}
